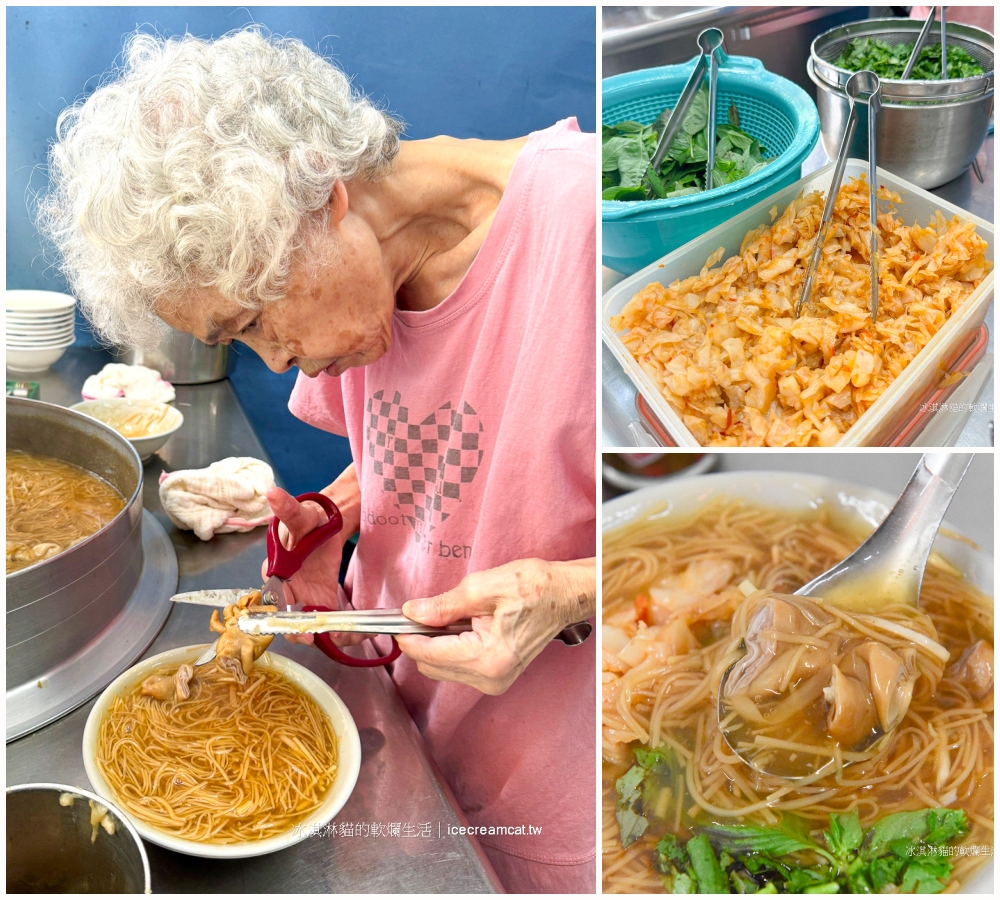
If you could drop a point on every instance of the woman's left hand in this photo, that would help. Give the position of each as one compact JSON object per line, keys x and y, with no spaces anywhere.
{"x":516,"y":609}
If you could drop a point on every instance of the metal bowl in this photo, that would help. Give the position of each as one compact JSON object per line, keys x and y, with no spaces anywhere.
{"x":57,"y":606}
{"x":927,"y":132}
{"x":182,"y":359}
{"x":52,"y":848}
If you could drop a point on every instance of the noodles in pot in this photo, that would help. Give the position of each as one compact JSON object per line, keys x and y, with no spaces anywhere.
{"x":52,"y":505}
{"x":230,"y":762}
{"x":673,"y":612}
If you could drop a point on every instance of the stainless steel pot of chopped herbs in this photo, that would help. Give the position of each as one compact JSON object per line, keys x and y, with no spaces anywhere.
{"x":628,"y":147}
{"x":888,"y":60}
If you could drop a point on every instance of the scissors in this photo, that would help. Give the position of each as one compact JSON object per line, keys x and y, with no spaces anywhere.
{"x":282,"y":564}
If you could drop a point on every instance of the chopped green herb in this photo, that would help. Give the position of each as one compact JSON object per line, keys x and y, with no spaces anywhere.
{"x":900,"y":853}
{"x":631,"y":822}
{"x":889,"y":60}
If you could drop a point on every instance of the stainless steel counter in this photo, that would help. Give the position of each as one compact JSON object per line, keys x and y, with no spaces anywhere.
{"x":392,"y":836}
{"x":619,"y":419}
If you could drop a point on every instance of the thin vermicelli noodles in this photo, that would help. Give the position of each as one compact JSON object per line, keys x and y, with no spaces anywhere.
{"x":52,"y":505}
{"x":663,"y":693}
{"x":229,"y":764}
{"x":137,"y":419}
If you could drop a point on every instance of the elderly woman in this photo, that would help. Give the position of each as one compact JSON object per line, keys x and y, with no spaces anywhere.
{"x":437,"y":297}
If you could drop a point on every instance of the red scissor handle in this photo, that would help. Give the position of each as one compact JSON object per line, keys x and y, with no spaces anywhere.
{"x":285,"y":563}
{"x":326,"y":644}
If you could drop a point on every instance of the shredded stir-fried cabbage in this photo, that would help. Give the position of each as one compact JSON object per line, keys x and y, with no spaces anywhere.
{"x":726,"y":351}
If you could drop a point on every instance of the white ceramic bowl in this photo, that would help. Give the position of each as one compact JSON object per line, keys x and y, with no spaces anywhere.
{"x":33,"y":319}
{"x":41,"y":339}
{"x":40,"y":344}
{"x":865,"y":507}
{"x":348,"y":754}
{"x":39,"y":335}
{"x":26,"y":361}
{"x":114,"y":411}
{"x":38,"y":302}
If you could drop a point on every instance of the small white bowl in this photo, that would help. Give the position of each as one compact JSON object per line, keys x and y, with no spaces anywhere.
{"x":40,"y":334}
{"x":39,"y":302}
{"x":14,"y":324}
{"x":40,"y":340}
{"x":348,"y":754}
{"x":114,"y":411}
{"x":26,"y":361}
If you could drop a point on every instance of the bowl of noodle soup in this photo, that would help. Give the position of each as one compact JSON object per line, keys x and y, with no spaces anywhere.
{"x":204,"y":776}
{"x":698,"y":542}
{"x":146,"y":424}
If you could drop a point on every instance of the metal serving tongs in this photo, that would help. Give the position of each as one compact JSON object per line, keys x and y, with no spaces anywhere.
{"x":887,"y":568}
{"x":862,"y":87}
{"x":282,"y":564}
{"x":710,"y":42}
{"x":922,"y":39}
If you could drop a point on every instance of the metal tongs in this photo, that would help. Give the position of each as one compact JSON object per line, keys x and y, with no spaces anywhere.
{"x":922,"y":39}
{"x":282,"y":564}
{"x":862,"y":87}
{"x":370,"y":621}
{"x":710,"y":42}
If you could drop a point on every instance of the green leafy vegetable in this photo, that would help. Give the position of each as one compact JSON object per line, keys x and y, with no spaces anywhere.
{"x":640,"y":788}
{"x":900,"y":853}
{"x":631,"y":822}
{"x":933,"y":826}
{"x":845,"y":834}
{"x":889,"y":60}
{"x":708,"y":872}
{"x":628,"y":147}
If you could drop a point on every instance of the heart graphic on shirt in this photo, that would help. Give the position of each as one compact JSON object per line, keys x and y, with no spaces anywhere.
{"x":426,"y":464}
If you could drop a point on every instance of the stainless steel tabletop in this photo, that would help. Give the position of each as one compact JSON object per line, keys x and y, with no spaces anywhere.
{"x":392,"y":836}
{"x":619,"y":419}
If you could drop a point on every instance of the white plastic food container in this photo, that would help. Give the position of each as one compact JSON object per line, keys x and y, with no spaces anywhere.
{"x":890,"y":412}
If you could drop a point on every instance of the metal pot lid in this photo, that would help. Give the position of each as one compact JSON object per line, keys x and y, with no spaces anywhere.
{"x":976,"y":42}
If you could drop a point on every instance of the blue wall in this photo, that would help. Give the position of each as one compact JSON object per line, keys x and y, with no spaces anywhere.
{"x":479,"y":72}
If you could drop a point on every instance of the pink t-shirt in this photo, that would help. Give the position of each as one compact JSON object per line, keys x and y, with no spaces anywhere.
{"x":474,"y":439}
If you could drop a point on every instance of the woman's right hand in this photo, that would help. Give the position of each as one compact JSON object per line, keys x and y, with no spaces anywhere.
{"x":317,"y":582}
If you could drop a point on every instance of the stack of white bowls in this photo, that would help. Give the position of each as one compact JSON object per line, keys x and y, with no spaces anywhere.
{"x":39,"y":328}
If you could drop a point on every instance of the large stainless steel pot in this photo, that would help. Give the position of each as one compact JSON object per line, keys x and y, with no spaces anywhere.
{"x":927,"y":144}
{"x":928,"y":132}
{"x":57,"y":606}
{"x":49,"y":846}
{"x":183,"y":359}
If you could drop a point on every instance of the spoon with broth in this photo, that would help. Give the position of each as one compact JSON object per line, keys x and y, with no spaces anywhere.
{"x":819,"y":679}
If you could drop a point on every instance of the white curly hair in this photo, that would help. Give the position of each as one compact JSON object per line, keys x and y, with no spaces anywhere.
{"x":201,"y":164}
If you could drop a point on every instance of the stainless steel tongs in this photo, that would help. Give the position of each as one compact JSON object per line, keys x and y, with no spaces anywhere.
{"x":922,"y":39}
{"x":862,"y":87}
{"x":370,"y":621}
{"x":710,"y":42}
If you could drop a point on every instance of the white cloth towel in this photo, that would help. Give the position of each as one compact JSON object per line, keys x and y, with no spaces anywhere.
{"x":134,"y":382}
{"x":227,"y":496}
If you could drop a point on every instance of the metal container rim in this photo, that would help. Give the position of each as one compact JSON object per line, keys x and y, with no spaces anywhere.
{"x":116,"y":438}
{"x":950,"y":102}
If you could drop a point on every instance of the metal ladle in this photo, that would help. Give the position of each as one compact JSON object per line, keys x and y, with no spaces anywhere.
{"x":862,"y":87}
{"x":887,"y":568}
{"x":710,"y":42}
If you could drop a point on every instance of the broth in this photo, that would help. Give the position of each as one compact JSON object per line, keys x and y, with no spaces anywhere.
{"x":52,"y":505}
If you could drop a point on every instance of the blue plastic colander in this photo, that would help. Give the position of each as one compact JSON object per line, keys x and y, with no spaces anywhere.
{"x":772,"y":109}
